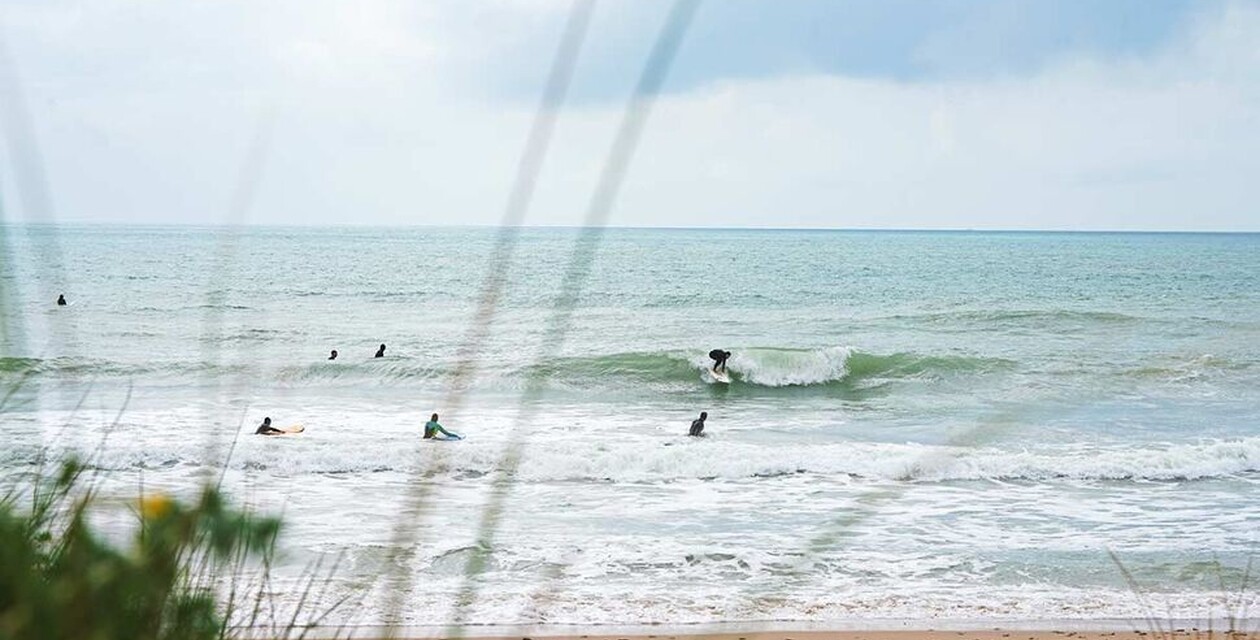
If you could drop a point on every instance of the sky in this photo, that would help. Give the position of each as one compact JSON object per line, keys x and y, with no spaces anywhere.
{"x":938,"y":114}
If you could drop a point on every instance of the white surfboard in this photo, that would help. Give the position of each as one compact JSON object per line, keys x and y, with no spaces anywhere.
{"x":293,"y":428}
{"x":720,"y":376}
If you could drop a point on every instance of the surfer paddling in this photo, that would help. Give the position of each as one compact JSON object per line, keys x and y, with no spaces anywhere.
{"x":265,"y":429}
{"x":432,"y":429}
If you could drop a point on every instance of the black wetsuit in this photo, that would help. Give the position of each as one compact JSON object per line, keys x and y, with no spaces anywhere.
{"x":267,"y":430}
{"x":697,"y":428}
{"x":719,"y":359}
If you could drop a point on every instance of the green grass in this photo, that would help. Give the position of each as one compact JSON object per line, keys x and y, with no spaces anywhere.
{"x":60,"y":579}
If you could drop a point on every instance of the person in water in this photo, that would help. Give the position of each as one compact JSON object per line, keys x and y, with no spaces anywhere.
{"x":719,"y":359}
{"x":265,"y":429}
{"x":697,"y":426}
{"x":332,"y":355}
{"x":432,"y":429}
{"x":380,"y":353}
{"x":61,"y":300}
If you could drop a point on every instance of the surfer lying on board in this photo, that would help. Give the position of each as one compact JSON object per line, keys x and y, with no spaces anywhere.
{"x":432,"y":428}
{"x":697,"y":426}
{"x":265,"y":429}
{"x":719,"y":359}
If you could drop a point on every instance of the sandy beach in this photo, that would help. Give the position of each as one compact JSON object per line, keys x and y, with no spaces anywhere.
{"x":900,"y":634}
{"x":987,"y":634}
{"x":1039,"y":630}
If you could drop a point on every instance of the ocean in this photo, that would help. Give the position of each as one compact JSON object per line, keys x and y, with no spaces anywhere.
{"x":921,"y":425}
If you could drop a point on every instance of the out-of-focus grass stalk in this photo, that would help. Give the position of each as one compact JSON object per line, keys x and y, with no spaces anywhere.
{"x":611,"y":178}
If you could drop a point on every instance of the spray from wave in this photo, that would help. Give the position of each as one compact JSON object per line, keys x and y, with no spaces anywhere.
{"x":765,"y":367}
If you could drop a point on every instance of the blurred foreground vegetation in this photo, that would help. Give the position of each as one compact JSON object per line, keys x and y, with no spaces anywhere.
{"x":61,"y":579}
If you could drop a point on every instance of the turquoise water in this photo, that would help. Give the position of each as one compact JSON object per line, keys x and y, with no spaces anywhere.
{"x":921,"y":424}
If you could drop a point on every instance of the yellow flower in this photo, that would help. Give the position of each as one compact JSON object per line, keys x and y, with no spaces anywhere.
{"x":156,"y":505}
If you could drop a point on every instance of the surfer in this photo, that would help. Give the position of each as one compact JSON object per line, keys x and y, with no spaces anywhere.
{"x":332,"y":355}
{"x":380,"y":353}
{"x":432,"y":428}
{"x":697,"y":426}
{"x":61,"y":300}
{"x":265,"y":429}
{"x":719,"y":359}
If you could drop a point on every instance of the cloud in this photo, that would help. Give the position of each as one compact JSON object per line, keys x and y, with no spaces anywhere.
{"x":906,"y":40}
{"x":1164,"y":142}
{"x":144,"y":112}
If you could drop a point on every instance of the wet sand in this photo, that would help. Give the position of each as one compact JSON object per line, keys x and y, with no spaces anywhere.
{"x":991,"y":633}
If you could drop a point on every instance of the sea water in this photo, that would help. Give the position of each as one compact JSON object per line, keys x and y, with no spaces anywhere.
{"x":920,"y":424}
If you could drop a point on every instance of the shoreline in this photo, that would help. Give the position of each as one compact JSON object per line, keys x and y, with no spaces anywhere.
{"x":874,"y":629}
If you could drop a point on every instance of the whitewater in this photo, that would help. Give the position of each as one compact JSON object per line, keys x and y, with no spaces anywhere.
{"x":920,"y":425}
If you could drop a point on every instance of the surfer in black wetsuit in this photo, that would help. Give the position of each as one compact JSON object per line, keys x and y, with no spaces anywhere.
{"x":61,"y":300}
{"x":719,"y":359}
{"x":333,"y":355}
{"x":697,"y":426}
{"x":380,"y":353}
{"x":265,"y":429}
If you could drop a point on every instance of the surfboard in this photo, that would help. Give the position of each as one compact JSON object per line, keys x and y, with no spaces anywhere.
{"x":293,"y":428}
{"x":446,"y":438}
{"x":720,"y":376}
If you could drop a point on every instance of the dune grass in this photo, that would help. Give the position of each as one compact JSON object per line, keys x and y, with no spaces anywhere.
{"x":59,"y":578}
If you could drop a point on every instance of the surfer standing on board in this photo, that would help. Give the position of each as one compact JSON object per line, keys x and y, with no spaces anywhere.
{"x":265,"y":429}
{"x":697,"y":426}
{"x":719,"y":359}
{"x":432,"y":428}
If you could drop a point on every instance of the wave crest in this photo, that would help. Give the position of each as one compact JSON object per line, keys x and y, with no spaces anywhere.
{"x":766,"y":367}
{"x":751,"y":367}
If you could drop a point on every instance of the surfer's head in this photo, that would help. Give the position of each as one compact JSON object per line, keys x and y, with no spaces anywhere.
{"x":433,"y":417}
{"x":704,"y":415}
{"x":266,"y":422}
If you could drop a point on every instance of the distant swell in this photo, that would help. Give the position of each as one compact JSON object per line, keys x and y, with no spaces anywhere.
{"x":1040,"y":318}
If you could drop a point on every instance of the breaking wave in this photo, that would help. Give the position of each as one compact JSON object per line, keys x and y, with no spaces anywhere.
{"x":756,"y":367}
{"x":774,"y":367}
{"x":328,"y":450}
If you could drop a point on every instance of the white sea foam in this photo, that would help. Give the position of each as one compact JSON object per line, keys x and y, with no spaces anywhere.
{"x":786,"y":367}
{"x":614,"y":455}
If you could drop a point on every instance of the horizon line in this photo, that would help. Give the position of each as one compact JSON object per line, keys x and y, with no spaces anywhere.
{"x":282,"y":225}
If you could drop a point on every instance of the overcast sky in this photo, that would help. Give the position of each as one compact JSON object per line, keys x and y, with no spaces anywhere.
{"x":1056,"y":114}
